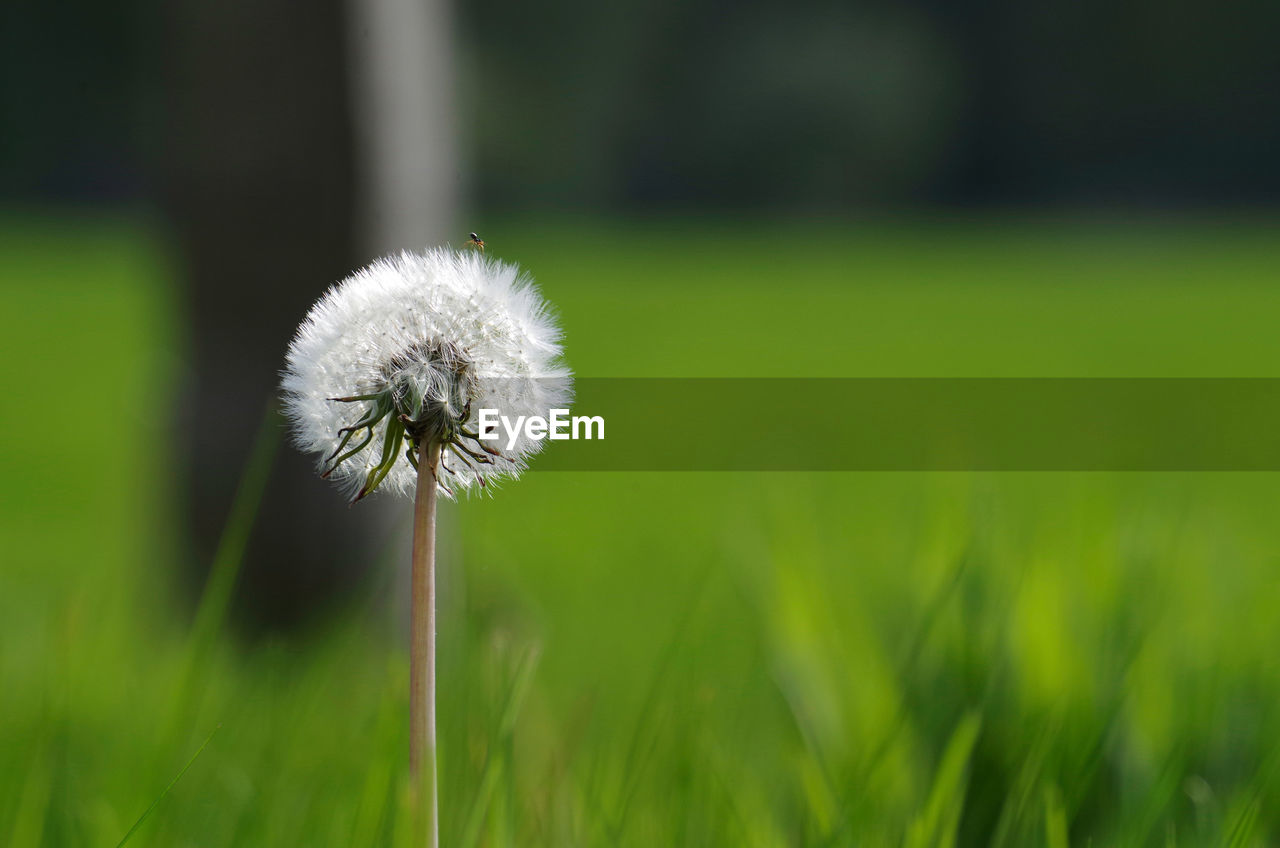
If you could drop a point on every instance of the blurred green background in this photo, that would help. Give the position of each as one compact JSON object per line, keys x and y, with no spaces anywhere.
{"x":640,"y":659}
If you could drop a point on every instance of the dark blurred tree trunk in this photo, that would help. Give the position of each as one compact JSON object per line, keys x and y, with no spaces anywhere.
{"x":274,"y":193}
{"x":259,"y":188}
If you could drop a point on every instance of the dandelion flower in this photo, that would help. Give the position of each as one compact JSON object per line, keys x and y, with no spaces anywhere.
{"x":404,"y":354}
{"x":408,"y":350}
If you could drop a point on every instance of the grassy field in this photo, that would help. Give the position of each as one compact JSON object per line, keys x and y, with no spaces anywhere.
{"x":679,"y":659}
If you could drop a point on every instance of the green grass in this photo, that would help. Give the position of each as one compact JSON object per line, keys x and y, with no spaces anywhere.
{"x":679,"y":659}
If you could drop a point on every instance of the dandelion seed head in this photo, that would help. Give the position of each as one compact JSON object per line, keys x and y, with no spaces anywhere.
{"x":427,"y":339}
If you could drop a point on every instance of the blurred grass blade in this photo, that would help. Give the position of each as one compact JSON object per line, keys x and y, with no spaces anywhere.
{"x":378,"y":796}
{"x":1243,"y":831}
{"x":216,"y":596}
{"x":516,"y":692}
{"x":1016,"y":811}
{"x":937,"y":823}
{"x":172,"y":783}
{"x":235,"y":535}
{"x":644,"y":739}
{"x":1056,"y":830}
{"x":33,"y":805}
{"x":907,"y":666}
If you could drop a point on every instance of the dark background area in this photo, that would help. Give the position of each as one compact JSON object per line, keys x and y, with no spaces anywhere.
{"x":631,"y":104}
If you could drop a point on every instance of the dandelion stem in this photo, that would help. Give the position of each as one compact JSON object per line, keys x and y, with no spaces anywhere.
{"x":422,"y":652}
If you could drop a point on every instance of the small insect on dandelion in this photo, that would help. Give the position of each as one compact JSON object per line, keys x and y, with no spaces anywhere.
{"x":475,"y":242}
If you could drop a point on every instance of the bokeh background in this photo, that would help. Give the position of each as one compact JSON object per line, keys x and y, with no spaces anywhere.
{"x":703,"y":189}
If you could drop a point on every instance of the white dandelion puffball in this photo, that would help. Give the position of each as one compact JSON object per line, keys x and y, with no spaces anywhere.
{"x":411,"y":348}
